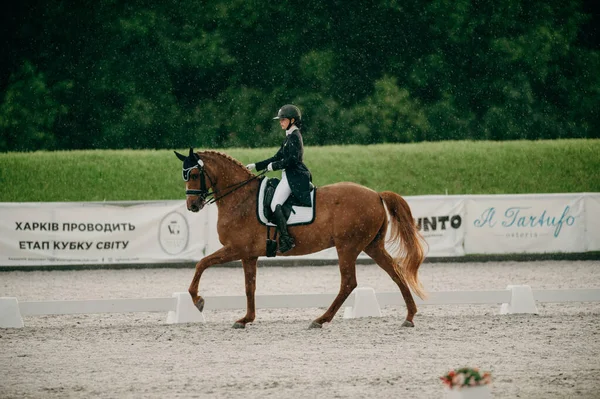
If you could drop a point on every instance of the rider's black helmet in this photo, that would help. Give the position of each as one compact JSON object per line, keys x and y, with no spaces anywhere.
{"x":290,"y":111}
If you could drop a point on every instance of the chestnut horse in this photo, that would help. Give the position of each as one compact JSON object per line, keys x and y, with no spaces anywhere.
{"x":348,"y":216}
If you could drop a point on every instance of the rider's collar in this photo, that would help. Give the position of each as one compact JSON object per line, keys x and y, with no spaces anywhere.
{"x":290,"y":130}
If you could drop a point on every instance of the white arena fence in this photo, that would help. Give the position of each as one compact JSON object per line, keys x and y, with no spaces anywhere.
{"x":163,"y":232}
{"x":363,"y":302}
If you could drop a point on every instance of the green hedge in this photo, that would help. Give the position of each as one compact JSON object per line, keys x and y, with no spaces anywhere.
{"x":514,"y":167}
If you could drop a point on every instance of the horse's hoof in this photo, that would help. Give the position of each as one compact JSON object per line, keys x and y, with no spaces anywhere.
{"x":314,"y":324}
{"x":200,"y":304}
{"x":408,"y":324}
{"x":237,"y":324}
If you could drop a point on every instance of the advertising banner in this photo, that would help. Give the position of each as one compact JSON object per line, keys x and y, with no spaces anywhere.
{"x":440,"y":220}
{"x":34,"y":234}
{"x":592,"y":222}
{"x":99,"y":233}
{"x":525,"y":224}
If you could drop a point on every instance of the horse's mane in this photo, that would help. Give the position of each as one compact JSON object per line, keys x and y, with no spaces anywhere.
{"x":229,"y":158}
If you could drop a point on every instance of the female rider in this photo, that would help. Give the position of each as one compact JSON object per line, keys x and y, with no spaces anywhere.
{"x":295,"y":176}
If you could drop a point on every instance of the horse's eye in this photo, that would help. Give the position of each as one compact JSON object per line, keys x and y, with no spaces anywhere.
{"x":194,"y":177}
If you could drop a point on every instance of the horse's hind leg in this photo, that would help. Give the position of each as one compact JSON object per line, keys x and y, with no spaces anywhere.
{"x":347,"y":260}
{"x":378,"y":253}
{"x":250,"y":279}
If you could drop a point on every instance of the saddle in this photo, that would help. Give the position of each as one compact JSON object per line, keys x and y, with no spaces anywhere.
{"x":293,"y":211}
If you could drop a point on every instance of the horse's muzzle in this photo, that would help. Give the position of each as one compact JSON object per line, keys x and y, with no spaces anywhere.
{"x":195,"y":205}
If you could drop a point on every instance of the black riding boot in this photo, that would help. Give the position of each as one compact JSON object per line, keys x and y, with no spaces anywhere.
{"x":286,"y":242}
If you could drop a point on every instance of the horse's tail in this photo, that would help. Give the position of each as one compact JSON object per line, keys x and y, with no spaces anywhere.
{"x":408,"y":251}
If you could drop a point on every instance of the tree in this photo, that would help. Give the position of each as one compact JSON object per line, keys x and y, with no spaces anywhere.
{"x":153,"y":75}
{"x":29,"y":112}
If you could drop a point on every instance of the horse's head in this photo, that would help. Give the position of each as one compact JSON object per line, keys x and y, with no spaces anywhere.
{"x":195,"y":177}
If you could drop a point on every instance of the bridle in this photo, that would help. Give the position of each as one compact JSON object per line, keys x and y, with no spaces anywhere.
{"x":203,"y":192}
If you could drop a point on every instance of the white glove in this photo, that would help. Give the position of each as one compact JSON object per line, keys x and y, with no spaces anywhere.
{"x":251,"y":166}
{"x":270,"y":167}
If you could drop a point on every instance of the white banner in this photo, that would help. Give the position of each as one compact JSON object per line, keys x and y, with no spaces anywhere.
{"x":525,"y":224}
{"x":34,"y":234}
{"x":592,"y":221}
{"x":99,"y":233}
{"x":440,"y":220}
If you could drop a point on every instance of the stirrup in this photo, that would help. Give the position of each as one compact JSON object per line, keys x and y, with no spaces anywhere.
{"x":286,"y":244}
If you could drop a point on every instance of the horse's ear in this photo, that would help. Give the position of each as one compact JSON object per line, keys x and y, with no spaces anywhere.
{"x":191,"y":152}
{"x":181,"y":157}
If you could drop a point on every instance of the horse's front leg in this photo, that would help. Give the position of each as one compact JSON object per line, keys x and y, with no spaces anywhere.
{"x":250,"y":278}
{"x":223,"y":255}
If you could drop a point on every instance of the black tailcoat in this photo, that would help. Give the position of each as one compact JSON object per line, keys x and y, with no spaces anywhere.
{"x":289,"y":157}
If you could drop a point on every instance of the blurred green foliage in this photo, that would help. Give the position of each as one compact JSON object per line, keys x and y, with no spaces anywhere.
{"x":173,"y":74}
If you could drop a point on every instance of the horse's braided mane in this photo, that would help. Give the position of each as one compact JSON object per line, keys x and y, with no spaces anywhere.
{"x":230,"y":158}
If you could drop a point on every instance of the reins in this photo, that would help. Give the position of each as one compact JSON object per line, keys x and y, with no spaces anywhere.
{"x":232,"y":188}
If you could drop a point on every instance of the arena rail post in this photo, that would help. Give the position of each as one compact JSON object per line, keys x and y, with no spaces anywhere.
{"x":365,"y":304}
{"x":185,"y":311}
{"x":10,"y":314}
{"x":521,"y":301}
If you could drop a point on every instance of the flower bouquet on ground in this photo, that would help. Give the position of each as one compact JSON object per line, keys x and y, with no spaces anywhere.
{"x":467,"y":382}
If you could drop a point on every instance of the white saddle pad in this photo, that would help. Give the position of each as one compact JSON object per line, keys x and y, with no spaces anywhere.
{"x":299,"y":214}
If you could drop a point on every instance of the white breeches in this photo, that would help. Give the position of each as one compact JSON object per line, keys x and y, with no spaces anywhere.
{"x":282,"y":192}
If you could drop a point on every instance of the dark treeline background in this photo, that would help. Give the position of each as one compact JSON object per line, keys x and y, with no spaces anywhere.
{"x":148,"y":74}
